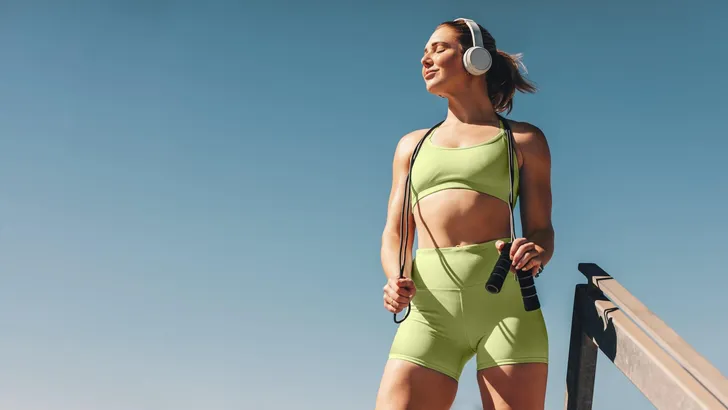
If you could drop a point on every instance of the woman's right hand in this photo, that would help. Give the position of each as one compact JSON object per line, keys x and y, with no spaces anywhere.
{"x":398,"y":293}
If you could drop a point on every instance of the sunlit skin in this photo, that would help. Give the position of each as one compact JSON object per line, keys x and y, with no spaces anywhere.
{"x":458,"y":217}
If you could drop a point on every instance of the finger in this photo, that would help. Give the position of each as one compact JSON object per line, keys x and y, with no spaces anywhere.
{"x":395,"y":298}
{"x":397,"y":304}
{"x":532,"y":266}
{"x":390,"y":294}
{"x":499,"y":245}
{"x":406,"y":287}
{"x":517,"y":243}
{"x":402,"y":299}
{"x":523,"y":265}
{"x":396,"y":284}
{"x":400,"y":291}
{"x":389,"y":307}
{"x":524,"y":250}
{"x":390,"y":303}
{"x":529,"y":261}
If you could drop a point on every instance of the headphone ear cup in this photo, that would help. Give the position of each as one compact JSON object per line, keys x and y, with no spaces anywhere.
{"x":477,"y":60}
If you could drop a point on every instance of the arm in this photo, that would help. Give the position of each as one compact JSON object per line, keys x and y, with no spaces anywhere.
{"x":391,"y":236}
{"x":536,"y":201}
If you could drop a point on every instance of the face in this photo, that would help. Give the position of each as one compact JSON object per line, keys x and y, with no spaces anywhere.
{"x":442,"y":62}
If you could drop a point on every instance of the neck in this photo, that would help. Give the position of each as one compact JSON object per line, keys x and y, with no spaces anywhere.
{"x":471,"y":108}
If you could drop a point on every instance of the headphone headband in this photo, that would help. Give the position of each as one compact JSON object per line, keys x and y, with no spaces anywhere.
{"x":476,"y":59}
{"x":474,"y":31}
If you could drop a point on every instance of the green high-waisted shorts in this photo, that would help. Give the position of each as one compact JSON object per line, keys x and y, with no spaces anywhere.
{"x":453,"y":317}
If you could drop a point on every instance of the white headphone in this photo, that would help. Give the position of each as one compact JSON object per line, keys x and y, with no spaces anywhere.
{"x":477,"y":59}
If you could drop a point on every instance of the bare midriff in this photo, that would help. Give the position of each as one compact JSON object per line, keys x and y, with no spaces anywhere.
{"x":458,"y":217}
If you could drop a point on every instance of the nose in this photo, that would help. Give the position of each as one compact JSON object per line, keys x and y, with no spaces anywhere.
{"x":426,"y":61}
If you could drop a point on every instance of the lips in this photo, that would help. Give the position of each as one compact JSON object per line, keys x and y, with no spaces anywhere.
{"x":429,"y":74}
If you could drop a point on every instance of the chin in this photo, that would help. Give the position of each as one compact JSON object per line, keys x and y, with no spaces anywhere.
{"x":433,"y":87}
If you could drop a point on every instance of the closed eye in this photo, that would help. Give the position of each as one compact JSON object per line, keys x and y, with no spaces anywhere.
{"x":439,"y":47}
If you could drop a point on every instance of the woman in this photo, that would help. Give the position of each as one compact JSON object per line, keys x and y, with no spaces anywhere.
{"x":460,"y":195}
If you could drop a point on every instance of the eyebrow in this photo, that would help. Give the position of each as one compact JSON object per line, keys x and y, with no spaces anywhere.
{"x":435,"y":43}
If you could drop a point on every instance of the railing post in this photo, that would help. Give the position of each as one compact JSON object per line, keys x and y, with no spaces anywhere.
{"x":660,"y":364}
{"x":581,"y":369}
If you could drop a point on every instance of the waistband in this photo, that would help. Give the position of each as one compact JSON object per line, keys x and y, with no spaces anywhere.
{"x":472,"y":247}
{"x":455,"y":267}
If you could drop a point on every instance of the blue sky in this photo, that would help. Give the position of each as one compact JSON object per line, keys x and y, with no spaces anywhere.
{"x":192,"y":196}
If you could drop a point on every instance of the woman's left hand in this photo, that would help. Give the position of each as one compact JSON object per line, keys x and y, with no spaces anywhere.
{"x":525,"y":255}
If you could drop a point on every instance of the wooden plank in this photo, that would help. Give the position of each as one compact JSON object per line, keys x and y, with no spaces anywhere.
{"x":655,"y":373}
{"x":665,"y":336}
{"x":581,"y":369}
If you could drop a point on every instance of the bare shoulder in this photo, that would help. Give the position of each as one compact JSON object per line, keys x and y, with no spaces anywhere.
{"x":526,"y":133}
{"x":530,"y":140}
{"x":407,"y":143}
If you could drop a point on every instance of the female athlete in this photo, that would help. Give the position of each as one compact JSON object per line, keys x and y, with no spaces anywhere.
{"x":460,"y":205}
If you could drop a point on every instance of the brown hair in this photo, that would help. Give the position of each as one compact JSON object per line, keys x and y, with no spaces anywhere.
{"x":503,"y":77}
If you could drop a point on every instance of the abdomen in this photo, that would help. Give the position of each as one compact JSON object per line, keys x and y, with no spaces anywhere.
{"x":455,"y":217}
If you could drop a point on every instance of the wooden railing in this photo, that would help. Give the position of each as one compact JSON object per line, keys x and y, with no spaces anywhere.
{"x":667,"y":370}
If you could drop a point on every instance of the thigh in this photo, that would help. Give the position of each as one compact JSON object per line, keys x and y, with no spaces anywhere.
{"x":513,"y":387}
{"x":406,"y":386}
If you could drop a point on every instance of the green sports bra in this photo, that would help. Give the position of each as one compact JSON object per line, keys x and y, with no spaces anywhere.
{"x":482,"y":167}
